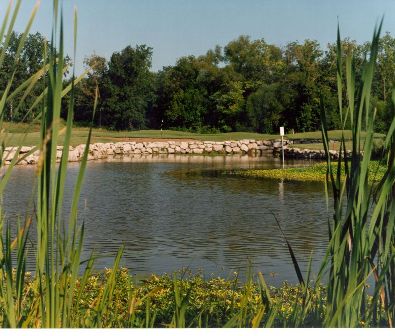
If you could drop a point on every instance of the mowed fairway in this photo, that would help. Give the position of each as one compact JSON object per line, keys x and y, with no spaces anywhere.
{"x":29,"y":134}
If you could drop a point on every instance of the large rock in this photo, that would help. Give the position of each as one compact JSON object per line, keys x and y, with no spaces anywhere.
{"x":277,"y":144}
{"x":74,"y":155}
{"x":264,"y":148}
{"x":139,"y":146}
{"x":252,"y":145}
{"x":244,"y":147}
{"x":228,"y":149}
{"x":31,"y":159}
{"x":127,"y":148}
{"x":218,"y":148}
{"x":25,"y":149}
{"x":197,"y":151}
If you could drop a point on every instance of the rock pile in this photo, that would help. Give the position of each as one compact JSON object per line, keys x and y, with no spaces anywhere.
{"x":313,"y":154}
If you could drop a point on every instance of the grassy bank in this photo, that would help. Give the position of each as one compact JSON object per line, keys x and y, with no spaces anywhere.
{"x":26,"y":134}
{"x":315,"y":173}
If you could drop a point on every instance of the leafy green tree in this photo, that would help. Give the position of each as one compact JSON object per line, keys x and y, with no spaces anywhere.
{"x":255,"y":60}
{"x":31,"y":60}
{"x":85,"y":91}
{"x":302,"y":79}
{"x":253,"y":63}
{"x":127,"y":88}
{"x":186,"y":110}
{"x":328,"y":78}
{"x":191,"y":79}
{"x":386,"y":66}
{"x":229,"y":103}
{"x":265,"y":108}
{"x":170,"y":82}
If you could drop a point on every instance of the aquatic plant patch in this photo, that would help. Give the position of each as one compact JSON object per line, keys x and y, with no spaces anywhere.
{"x":314,"y":173}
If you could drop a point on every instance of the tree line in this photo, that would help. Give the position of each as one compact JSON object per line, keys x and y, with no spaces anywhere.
{"x":248,"y":85}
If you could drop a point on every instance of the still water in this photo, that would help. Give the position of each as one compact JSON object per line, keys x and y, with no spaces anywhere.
{"x":175,"y":212}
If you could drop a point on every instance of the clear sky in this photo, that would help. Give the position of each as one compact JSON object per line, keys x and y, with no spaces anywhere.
{"x":176,"y":28}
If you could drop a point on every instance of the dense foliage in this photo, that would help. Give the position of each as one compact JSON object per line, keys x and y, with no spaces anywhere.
{"x":25,"y":61}
{"x":187,"y":300}
{"x":247,"y":85}
{"x":181,"y":299}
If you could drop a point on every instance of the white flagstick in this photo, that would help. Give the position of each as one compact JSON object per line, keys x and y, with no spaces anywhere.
{"x":282,"y":142}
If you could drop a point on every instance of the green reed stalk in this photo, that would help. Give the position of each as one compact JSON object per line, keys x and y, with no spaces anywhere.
{"x":59,"y":245}
{"x":361,"y":246}
{"x":11,"y":282}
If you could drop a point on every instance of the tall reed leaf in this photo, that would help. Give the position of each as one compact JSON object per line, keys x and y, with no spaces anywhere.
{"x":59,"y":242}
{"x":362,"y":229}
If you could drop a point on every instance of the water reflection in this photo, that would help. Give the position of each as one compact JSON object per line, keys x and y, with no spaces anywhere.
{"x":172,"y":212}
{"x":281,"y":191}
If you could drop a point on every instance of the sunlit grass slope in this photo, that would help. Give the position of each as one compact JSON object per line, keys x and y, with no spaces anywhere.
{"x":29,"y":135}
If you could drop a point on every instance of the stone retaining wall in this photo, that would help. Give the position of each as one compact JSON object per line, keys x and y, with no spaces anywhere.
{"x":311,"y":154}
{"x":97,"y":151}
{"x":105,"y":150}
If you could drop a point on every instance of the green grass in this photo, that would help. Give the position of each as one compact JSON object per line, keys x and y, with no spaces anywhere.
{"x":334,"y":145}
{"x":79,"y":135}
{"x":332,"y":135}
{"x":378,"y":141}
{"x":29,"y":135}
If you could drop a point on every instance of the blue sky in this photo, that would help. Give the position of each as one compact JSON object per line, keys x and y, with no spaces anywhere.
{"x":175,"y":28}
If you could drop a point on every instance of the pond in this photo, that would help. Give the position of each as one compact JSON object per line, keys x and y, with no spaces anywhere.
{"x":175,"y":212}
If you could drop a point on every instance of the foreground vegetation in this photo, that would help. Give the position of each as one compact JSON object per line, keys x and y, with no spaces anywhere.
{"x":187,"y":300}
{"x":65,"y":292}
{"x":182,"y":300}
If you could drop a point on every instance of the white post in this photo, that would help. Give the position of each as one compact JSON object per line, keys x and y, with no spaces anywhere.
{"x":282,"y":142}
